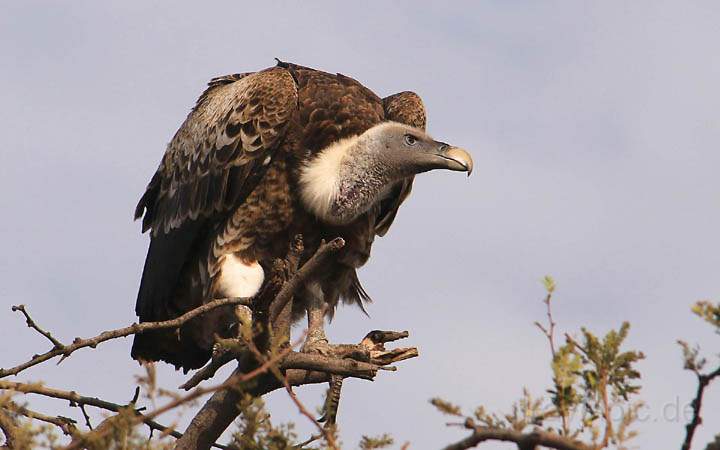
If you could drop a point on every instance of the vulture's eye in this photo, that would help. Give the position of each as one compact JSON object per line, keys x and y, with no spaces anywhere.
{"x":410,"y":140}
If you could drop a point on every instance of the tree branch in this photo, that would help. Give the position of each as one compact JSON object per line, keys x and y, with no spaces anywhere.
{"x":208,"y":371}
{"x":78,"y":343}
{"x":74,"y":397}
{"x":232,"y":381}
{"x":221,"y":409}
{"x":703,"y":382}
{"x":549,"y":332}
{"x":522,"y":440}
{"x":9,"y":429}
{"x":316,"y":362}
{"x":31,"y":323}
{"x":272,"y":371}
{"x":303,"y":410}
{"x":66,"y":424}
{"x":289,"y":288}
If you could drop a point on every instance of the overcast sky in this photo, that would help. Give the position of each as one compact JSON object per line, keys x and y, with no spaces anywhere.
{"x":594,"y":128}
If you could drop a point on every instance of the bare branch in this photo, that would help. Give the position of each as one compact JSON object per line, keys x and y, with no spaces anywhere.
{"x":289,"y":288}
{"x":317,"y":362}
{"x":78,"y":343}
{"x":577,"y":345}
{"x":37,"y":388}
{"x":522,"y":440}
{"x":230,"y":382}
{"x":31,"y":323}
{"x":703,"y":382}
{"x":221,"y":409}
{"x":327,"y":434}
{"x":548,"y":331}
{"x":66,"y":424}
{"x":9,"y":429}
{"x":209,"y":370}
{"x":74,"y":397}
{"x":86,"y":416}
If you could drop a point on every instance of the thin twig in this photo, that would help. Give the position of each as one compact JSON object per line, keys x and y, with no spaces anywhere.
{"x":37,"y":388}
{"x":282,"y":378}
{"x":577,"y":345}
{"x":549,"y":332}
{"x":66,"y":424}
{"x":78,"y":343}
{"x":86,"y":416}
{"x":209,"y":370}
{"x":31,"y":323}
{"x":326,"y":433}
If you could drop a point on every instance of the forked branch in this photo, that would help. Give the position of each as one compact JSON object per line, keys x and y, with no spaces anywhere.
{"x":78,"y":343}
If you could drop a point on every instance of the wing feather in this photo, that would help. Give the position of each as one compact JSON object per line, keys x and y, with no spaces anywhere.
{"x":237,"y":122}
{"x":212,"y":163}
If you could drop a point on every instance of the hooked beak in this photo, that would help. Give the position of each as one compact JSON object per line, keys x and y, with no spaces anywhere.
{"x":456,"y":158}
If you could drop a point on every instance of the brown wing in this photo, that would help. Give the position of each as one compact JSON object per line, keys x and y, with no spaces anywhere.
{"x":234,"y":127}
{"x":404,"y":107}
{"x":212,"y":163}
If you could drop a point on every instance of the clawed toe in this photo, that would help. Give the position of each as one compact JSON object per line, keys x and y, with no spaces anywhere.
{"x":320,"y":346}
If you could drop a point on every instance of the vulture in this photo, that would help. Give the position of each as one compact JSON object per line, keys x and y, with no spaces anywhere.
{"x":261,"y":158}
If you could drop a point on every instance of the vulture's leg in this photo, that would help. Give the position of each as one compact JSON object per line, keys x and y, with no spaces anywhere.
{"x":317,"y":342}
{"x":332,"y":401}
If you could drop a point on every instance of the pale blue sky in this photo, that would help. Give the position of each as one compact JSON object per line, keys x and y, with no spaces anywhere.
{"x":594,"y":128}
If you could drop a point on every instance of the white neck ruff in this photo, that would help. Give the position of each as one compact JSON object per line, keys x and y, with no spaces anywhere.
{"x":320,"y":178}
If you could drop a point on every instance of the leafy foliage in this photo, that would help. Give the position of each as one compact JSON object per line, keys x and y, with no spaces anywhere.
{"x":446,"y":407}
{"x":255,"y":430}
{"x":709,"y":312}
{"x":590,"y":377}
{"x":566,"y":367}
{"x":371,"y":443}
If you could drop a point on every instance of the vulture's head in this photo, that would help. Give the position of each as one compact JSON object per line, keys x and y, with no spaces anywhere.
{"x":345,"y":179}
{"x":408,"y":151}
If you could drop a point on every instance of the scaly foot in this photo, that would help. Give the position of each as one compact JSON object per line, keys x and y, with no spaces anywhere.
{"x":317,"y":342}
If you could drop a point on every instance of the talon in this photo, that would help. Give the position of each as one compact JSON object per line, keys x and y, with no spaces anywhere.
{"x":320,"y":346}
